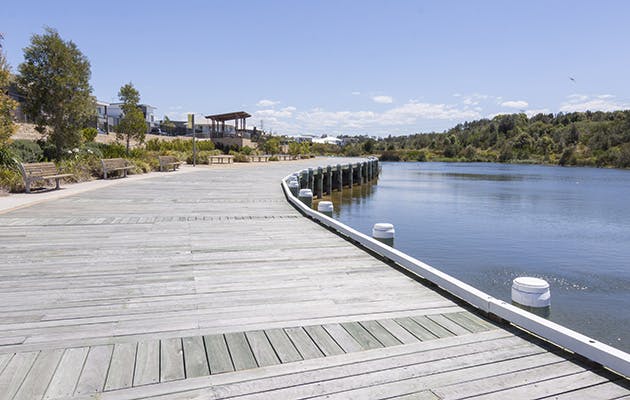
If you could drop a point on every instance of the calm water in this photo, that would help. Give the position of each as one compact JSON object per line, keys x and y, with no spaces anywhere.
{"x":489,"y":223}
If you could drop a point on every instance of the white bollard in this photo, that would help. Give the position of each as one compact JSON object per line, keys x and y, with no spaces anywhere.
{"x":306,"y":197}
{"x":294,"y":187}
{"x":384,"y":232}
{"x":532,"y":294}
{"x":326,"y":208}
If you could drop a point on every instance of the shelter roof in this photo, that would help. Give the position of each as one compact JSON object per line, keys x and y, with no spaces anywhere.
{"x":228,"y":116}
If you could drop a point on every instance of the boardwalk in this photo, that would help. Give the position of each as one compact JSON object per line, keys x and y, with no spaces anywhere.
{"x":208,"y":284}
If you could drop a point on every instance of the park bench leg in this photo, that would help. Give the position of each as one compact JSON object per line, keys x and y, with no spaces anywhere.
{"x":57,"y":184}
{"x":104,"y":174}
{"x":27,"y":185}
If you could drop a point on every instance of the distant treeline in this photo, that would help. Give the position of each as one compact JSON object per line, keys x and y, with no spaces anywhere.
{"x":599,"y":139}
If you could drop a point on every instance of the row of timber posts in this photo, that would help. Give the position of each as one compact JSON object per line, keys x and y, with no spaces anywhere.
{"x":323,"y":180}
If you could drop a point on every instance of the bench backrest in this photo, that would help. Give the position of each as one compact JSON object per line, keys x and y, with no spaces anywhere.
{"x":39,"y":169}
{"x":167,"y":159}
{"x":113,"y":163}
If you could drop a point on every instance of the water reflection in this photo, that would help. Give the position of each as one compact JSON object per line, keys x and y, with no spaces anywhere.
{"x":356,"y":196}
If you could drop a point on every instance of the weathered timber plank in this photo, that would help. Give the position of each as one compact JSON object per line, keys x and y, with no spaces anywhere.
{"x":195,"y":361}
{"x":218,"y":355}
{"x":448,"y":324}
{"x":323,"y":340}
{"x":241,"y":353}
{"x":432,"y":326}
{"x":343,"y":338}
{"x":417,"y":330}
{"x":303,"y":343}
{"x":605,"y":391}
{"x":283,"y":346}
{"x":381,"y":334}
{"x":261,"y":348}
{"x":398,"y":331}
{"x":361,"y":335}
{"x":147,"y":363}
{"x":122,"y":366}
{"x":94,"y":372}
{"x":469,"y":324}
{"x":67,"y":374}
{"x":38,"y":378}
{"x":14,"y":374}
{"x":550,"y":387}
{"x":171,"y":360}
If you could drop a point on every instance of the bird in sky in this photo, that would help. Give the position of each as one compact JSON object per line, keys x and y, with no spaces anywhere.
{"x":572,"y":79}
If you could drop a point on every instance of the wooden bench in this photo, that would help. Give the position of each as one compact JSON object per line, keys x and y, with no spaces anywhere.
{"x":220,"y":159}
{"x":167,"y":162}
{"x":259,"y":158}
{"x":115,"y":165}
{"x":44,"y":171}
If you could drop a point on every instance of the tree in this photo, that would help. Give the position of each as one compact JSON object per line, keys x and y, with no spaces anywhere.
{"x":272,"y":146}
{"x":167,"y":125}
{"x":55,"y":80}
{"x":7,"y":105}
{"x":132,"y":123}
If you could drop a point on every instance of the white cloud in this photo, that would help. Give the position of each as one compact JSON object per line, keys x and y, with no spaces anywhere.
{"x":383,"y":99}
{"x":515,"y":104}
{"x":356,"y":93}
{"x":267,"y":103}
{"x":580,"y":102}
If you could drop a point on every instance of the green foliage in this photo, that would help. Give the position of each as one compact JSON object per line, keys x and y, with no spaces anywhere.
{"x":11,"y":180}
{"x":7,"y":105}
{"x":579,"y":138}
{"x":132,"y":124}
{"x":239,"y":157}
{"x":247,"y":150}
{"x":7,"y":158}
{"x":271,"y":146}
{"x":89,"y":134}
{"x":26,"y":151}
{"x":167,"y":125}
{"x":274,"y":158}
{"x":389,"y":156}
{"x":55,"y":80}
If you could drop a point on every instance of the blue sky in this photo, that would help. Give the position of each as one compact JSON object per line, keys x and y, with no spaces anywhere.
{"x":345,"y":67}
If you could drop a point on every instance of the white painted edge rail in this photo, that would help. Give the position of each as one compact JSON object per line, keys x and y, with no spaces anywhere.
{"x":608,"y":356}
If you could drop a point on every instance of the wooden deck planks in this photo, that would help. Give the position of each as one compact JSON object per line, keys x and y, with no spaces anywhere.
{"x":227,"y":277}
{"x":122,"y":366}
{"x":65,"y":379}
{"x":171,"y":360}
{"x":147,"y":368}
{"x":218,"y":355}
{"x":95,"y":369}
{"x":195,"y":358}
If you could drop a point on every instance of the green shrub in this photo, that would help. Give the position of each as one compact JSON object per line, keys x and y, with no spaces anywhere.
{"x":113,"y":150}
{"x":247,"y":150}
{"x":273,"y":158}
{"x":205,"y":145}
{"x":89,"y":134}
{"x":7,"y":158}
{"x":389,"y":155}
{"x":239,"y":157}
{"x":11,"y":180}
{"x":82,"y":168}
{"x":26,"y":151}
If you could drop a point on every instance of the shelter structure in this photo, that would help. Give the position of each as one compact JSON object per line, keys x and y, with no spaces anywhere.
{"x":217,"y":125}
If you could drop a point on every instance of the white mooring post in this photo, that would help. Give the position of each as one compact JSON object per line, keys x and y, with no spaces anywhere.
{"x":294,"y":187}
{"x":532,"y":294}
{"x":326,"y":208}
{"x":384,"y":232}
{"x":306,"y":197}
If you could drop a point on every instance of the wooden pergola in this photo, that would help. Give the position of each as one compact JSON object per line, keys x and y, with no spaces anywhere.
{"x":218,"y":122}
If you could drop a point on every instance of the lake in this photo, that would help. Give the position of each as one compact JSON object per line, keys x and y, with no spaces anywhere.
{"x":487,"y":224}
